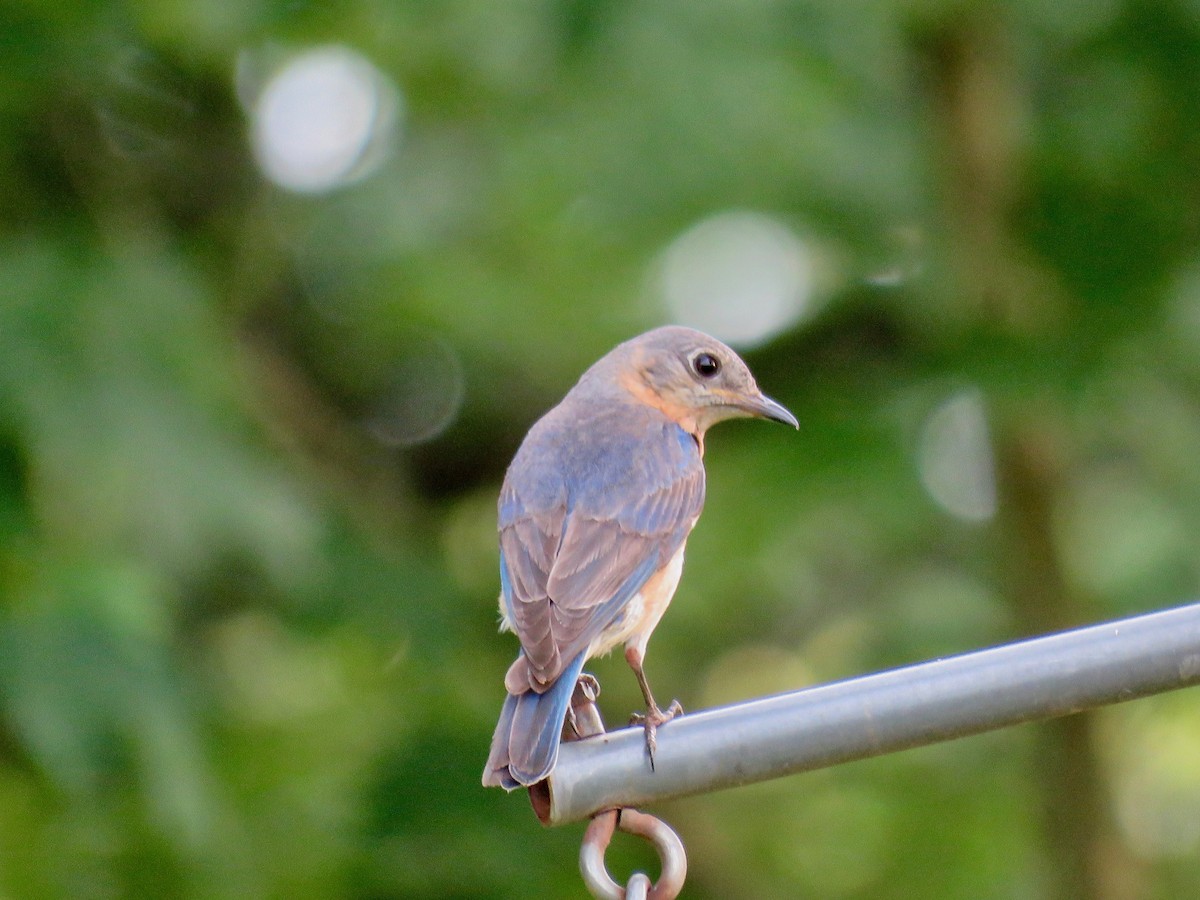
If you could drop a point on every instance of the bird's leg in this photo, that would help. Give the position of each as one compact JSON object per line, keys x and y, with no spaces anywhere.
{"x":653,"y":716}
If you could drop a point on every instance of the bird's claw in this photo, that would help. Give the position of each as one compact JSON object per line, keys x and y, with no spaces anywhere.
{"x":587,"y":683}
{"x":587,"y":689}
{"x":650,"y":720}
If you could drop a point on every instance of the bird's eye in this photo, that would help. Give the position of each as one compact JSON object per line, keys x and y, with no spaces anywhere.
{"x":706,"y":365}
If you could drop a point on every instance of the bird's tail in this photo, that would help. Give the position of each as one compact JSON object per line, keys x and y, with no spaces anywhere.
{"x":525,"y":745}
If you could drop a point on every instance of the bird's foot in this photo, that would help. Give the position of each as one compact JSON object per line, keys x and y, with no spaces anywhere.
{"x":588,"y":684}
{"x":583,"y":706}
{"x":650,"y":720}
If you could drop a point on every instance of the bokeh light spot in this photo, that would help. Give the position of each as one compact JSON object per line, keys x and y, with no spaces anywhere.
{"x":326,"y":119}
{"x":423,"y":396}
{"x":741,"y":276}
{"x":955,"y":457}
{"x":1158,"y":782}
{"x":905,"y":248}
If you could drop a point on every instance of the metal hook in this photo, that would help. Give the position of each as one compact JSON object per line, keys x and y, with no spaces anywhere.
{"x":666,"y":843}
{"x":584,"y":721}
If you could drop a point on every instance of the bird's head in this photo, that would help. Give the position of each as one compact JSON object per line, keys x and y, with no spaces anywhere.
{"x":693,"y":378}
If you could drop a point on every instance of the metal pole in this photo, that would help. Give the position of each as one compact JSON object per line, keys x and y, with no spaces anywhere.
{"x":921,"y":704}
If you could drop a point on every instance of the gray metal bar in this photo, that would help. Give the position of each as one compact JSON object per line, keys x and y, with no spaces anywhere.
{"x":921,"y":704}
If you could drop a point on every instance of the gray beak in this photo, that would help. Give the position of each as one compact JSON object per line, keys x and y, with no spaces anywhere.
{"x":764,"y":407}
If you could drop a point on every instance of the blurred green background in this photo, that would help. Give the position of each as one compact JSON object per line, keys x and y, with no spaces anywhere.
{"x":283,"y":284}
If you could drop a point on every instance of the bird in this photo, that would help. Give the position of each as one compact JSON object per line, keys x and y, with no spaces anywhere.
{"x":593,"y":516}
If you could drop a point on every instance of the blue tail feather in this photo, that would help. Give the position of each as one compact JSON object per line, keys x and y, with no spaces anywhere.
{"x":525,"y":744}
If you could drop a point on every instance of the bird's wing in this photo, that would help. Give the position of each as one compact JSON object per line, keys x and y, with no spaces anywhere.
{"x":569,"y":566}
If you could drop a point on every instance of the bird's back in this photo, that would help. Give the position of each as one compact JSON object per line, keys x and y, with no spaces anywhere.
{"x":596,"y":500}
{"x":601,"y":462}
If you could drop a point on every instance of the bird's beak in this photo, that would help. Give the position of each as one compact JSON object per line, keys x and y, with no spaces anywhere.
{"x":764,"y":407}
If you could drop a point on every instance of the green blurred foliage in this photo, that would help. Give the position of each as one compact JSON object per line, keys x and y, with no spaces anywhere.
{"x":248,"y":649}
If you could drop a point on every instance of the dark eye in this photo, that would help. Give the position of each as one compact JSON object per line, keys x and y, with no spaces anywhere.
{"x":706,"y":365}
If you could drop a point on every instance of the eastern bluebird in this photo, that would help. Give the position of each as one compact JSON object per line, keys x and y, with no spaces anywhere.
{"x":593,"y":517}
